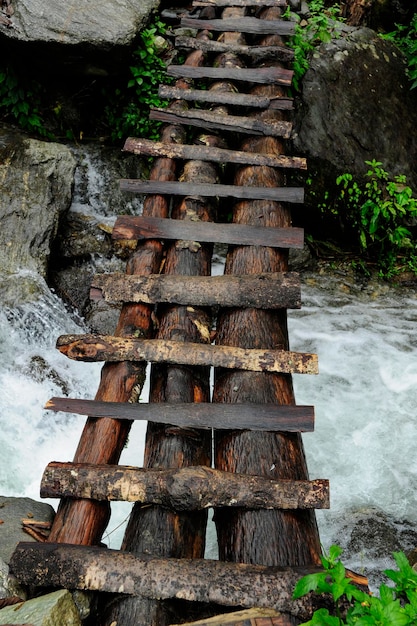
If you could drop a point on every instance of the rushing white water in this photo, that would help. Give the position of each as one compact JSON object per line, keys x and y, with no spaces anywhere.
{"x":365,"y":400}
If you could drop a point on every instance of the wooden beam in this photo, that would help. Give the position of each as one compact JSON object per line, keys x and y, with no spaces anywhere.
{"x":181,"y":489}
{"x":255,"y":53}
{"x":201,"y":580}
{"x":209,"y":153}
{"x":139,"y":227}
{"x":275,"y":194}
{"x":202,"y":415}
{"x":232,"y":123}
{"x":107,"y":348}
{"x":263,"y":75}
{"x":225,"y":97}
{"x":242,"y":25}
{"x":239,"y":3}
{"x":261,"y":291}
{"x":248,"y":617}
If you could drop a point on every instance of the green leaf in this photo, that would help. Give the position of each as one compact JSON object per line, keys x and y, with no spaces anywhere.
{"x":306,"y":584}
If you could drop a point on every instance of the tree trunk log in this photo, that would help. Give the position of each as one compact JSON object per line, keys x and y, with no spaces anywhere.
{"x":184,"y":489}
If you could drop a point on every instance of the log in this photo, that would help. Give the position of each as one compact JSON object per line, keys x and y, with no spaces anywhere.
{"x":242,"y":25}
{"x":222,"y":97}
{"x":231,"y":123}
{"x":183,"y":489}
{"x":264,"y":75}
{"x":138,"y":227}
{"x":204,"y":415}
{"x":278,"y":194}
{"x":248,"y":617}
{"x":92,"y":348}
{"x":198,"y":580}
{"x":264,"y":291}
{"x":240,"y":3}
{"x":255,"y":53}
{"x":209,"y":153}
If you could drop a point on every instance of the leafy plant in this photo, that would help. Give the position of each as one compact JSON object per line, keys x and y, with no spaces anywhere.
{"x":380,"y":211}
{"x":405,"y":37}
{"x":395,"y":606}
{"x":20,"y":101}
{"x":128,"y":112}
{"x":320,"y":27}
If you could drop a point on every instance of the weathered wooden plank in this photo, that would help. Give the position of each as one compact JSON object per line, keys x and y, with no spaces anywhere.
{"x":225,"y":97}
{"x":231,"y":123}
{"x":261,"y":291}
{"x":239,"y":3}
{"x":201,"y":580}
{"x":209,"y":153}
{"x":107,"y":348}
{"x":263,"y":75}
{"x":276,"y":194}
{"x":139,"y":227}
{"x":256,"y":53}
{"x":248,"y":617}
{"x":181,"y":489}
{"x":242,"y":25}
{"x":202,"y":415}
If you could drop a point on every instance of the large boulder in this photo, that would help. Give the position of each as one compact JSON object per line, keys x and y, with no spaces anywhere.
{"x":356,"y":105}
{"x":100,"y":25}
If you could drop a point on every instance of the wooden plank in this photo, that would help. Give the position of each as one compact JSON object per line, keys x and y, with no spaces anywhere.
{"x":239,"y":3}
{"x":275,"y":194}
{"x":202,"y":415}
{"x":242,"y":25}
{"x":248,"y":617}
{"x":263,"y":75}
{"x":209,"y":153}
{"x":226,"y":97}
{"x":255,"y":53}
{"x":231,"y":123}
{"x":181,"y":489}
{"x":261,"y":291}
{"x":201,"y":580}
{"x":107,"y":348}
{"x":139,"y":227}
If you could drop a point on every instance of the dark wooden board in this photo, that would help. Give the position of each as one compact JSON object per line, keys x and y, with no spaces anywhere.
{"x":263,"y":75}
{"x":261,"y":291}
{"x":242,"y":25}
{"x":231,"y":123}
{"x":181,"y":489}
{"x":276,"y":194}
{"x":255,"y":53}
{"x":107,"y":348}
{"x":138,"y":227}
{"x":269,"y":417}
{"x":209,"y":153}
{"x":225,"y":97}
{"x":239,"y":3}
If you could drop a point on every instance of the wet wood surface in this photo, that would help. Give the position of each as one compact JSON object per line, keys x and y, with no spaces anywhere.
{"x":138,"y":227}
{"x":264,"y":291}
{"x":249,"y":617}
{"x":270,"y":417}
{"x":108,"y":348}
{"x":255,"y":53}
{"x":242,"y":25}
{"x":182,"y":489}
{"x":265,"y":75}
{"x":232,"y":123}
{"x":222,"y":97}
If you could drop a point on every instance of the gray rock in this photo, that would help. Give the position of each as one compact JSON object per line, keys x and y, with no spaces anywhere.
{"x":102,"y":25}
{"x":9,"y":586}
{"x":12,"y":511}
{"x":37,"y":179}
{"x":53,"y":609}
{"x":356,"y":105}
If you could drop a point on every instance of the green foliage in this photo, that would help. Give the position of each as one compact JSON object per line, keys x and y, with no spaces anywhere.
{"x":320,"y":27}
{"x":405,"y":37}
{"x":128,"y":111}
{"x":395,"y":606}
{"x":20,"y":101}
{"x":380,"y":211}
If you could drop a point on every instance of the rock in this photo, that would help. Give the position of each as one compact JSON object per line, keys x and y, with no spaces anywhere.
{"x":101,"y":26}
{"x":9,"y":586}
{"x":37,"y":179}
{"x":356,"y":105}
{"x":12,"y":511}
{"x":53,"y":609}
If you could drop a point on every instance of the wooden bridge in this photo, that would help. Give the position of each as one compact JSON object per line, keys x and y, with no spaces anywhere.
{"x":239,"y":452}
